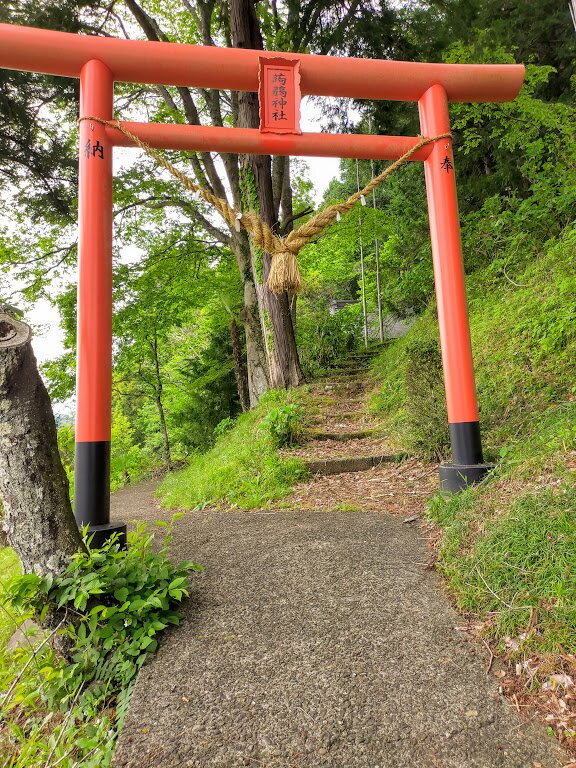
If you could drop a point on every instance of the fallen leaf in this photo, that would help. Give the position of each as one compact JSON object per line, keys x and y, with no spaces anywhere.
{"x":554,"y":681}
{"x":512,"y":643}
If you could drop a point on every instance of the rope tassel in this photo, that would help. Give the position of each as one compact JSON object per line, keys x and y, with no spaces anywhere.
{"x":284,"y":271}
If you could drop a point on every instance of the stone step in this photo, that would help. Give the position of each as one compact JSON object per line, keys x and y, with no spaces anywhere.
{"x":342,"y":437}
{"x":351,"y":464}
{"x":349,"y":370}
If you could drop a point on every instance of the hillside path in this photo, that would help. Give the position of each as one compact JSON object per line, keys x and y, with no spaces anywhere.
{"x":318,"y":636}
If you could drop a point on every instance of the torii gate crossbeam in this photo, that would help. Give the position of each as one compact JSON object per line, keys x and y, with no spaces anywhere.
{"x":99,"y":62}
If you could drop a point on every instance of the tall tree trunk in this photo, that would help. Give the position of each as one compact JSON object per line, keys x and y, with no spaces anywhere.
{"x":239,"y":369}
{"x":159,"y":404}
{"x":258,"y":369}
{"x":165,"y":438}
{"x":285,"y":370}
{"x":34,"y":489}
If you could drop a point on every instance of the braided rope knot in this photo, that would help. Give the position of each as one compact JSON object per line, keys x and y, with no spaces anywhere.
{"x":284,"y":271}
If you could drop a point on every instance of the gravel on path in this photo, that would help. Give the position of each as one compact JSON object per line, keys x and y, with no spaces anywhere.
{"x":317,"y":639}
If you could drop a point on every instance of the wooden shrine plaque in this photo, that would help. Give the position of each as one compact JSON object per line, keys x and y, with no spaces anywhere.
{"x":279,"y":92}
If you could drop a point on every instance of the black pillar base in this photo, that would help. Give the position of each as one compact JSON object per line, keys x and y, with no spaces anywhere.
{"x":92,"y":492}
{"x":101,"y":534}
{"x":92,"y":484}
{"x":456,"y":477}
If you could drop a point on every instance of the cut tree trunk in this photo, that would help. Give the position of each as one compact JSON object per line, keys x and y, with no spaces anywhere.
{"x":38,"y":517}
{"x":285,"y":370}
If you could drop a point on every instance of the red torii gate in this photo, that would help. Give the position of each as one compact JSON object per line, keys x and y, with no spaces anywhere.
{"x":99,"y":61}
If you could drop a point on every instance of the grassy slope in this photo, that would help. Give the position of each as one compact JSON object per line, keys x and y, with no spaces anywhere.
{"x":9,"y":568}
{"x":509,"y":547}
{"x":243,"y":468}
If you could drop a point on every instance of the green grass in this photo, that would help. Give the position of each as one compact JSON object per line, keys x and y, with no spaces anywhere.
{"x":514,"y":564}
{"x":509,"y":546}
{"x":524,"y":341}
{"x":244,"y":467}
{"x":9,"y":568}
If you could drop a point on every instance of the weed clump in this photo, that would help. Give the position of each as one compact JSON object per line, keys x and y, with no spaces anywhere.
{"x":107,"y":610}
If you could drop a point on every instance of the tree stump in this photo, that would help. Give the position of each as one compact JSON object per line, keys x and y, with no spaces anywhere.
{"x":34,"y":491}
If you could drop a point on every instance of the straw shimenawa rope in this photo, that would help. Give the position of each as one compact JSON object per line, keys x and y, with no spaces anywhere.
{"x":284,"y":272}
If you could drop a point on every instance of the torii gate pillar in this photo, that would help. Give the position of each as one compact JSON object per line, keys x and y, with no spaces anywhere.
{"x":467,"y":465}
{"x":94,"y":358}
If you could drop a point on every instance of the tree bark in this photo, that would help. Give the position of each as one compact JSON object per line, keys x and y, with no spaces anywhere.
{"x":239,"y":369}
{"x":258,"y":369}
{"x":285,"y":370}
{"x":165,"y":438}
{"x":38,"y":516}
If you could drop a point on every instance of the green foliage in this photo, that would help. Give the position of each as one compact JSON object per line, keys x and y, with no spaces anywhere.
{"x":425,"y":399}
{"x":324,"y":338}
{"x":521,"y":563}
{"x":282,"y":424}
{"x":507,"y":545}
{"x":332,"y":267}
{"x":9,"y":570}
{"x":224,"y":426}
{"x":66,"y":445}
{"x":174,"y":365}
{"x":524,"y":342}
{"x":108,"y":608}
{"x":243,"y":468}
{"x":129,"y":462}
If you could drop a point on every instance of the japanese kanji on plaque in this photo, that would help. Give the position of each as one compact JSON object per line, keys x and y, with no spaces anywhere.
{"x":279,"y":93}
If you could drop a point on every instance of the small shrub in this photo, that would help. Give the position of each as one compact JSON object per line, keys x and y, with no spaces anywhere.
{"x":108,"y":607}
{"x":348,"y":507}
{"x":425,"y":399}
{"x":223,"y":426}
{"x":325,"y":338}
{"x":282,"y":424}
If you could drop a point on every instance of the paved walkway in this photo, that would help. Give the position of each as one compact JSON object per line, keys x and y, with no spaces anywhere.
{"x":317,"y":639}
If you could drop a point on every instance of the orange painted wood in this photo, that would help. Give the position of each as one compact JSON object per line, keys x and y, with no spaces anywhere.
{"x":279,"y":95}
{"x":138,"y":61}
{"x":252,"y":141}
{"x":94,"y":356}
{"x":448,"y":263}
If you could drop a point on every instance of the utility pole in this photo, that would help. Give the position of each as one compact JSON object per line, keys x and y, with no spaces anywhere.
{"x":572,"y":7}
{"x":377,"y":255}
{"x":362,"y":268}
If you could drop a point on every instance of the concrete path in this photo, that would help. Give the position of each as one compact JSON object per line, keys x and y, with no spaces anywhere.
{"x":316,"y":640}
